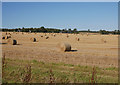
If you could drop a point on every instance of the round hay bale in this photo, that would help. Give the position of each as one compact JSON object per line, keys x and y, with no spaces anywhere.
{"x":78,"y":39}
{"x":67,"y":36}
{"x":46,"y":37}
{"x":54,"y":35}
{"x":41,"y":35}
{"x":9,"y":33}
{"x":103,"y":40}
{"x":33,"y":39}
{"x":9,"y":36}
{"x":3,"y":37}
{"x":12,"y":41}
{"x":6,"y":37}
{"x":64,"y":47}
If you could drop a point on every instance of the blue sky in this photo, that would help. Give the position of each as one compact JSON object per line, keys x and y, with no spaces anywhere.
{"x":80,"y":15}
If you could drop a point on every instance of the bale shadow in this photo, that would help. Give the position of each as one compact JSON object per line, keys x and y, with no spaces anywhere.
{"x":3,"y":43}
{"x":35,"y":42}
{"x":71,"y":51}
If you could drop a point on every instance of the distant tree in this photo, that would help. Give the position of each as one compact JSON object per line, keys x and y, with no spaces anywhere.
{"x":19,"y":28}
{"x":64,"y":31}
{"x":55,"y":30}
{"x":88,"y":30}
{"x":16,"y":30}
{"x":103,"y":32}
{"x":74,"y":30}
{"x":69,"y":30}
{"x":43,"y":29}
{"x":23,"y":28}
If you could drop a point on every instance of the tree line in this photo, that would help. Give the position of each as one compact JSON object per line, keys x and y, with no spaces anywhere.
{"x":52,"y":30}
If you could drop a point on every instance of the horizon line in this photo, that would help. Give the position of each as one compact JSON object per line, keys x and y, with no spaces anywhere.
{"x":57,"y":28}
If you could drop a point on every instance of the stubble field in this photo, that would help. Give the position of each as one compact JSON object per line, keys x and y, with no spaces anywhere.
{"x":91,"y":50}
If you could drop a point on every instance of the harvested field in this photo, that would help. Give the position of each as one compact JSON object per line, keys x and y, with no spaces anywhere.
{"x":89,"y":51}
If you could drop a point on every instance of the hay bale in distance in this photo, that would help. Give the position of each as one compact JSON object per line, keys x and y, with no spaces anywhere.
{"x":41,"y":36}
{"x":54,"y":35}
{"x":9,"y":33}
{"x":3,"y":37}
{"x":12,"y":41}
{"x":33,"y":39}
{"x":104,"y":41}
{"x":67,"y":36}
{"x":87,"y":34}
{"x":7,"y":37}
{"x":78,"y":39}
{"x":46,"y":37}
{"x":64,"y":47}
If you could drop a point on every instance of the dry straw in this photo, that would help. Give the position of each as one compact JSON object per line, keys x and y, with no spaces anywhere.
{"x":103,"y":40}
{"x":41,"y":36}
{"x":3,"y":37}
{"x":33,"y":39}
{"x":78,"y":39}
{"x":12,"y":41}
{"x":46,"y":37}
{"x":54,"y":35}
{"x":9,"y":33}
{"x":67,"y":36}
{"x":7,"y":37}
{"x":6,"y":33}
{"x":64,"y":47}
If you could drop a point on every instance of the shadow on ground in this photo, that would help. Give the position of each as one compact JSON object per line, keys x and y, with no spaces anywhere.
{"x":3,"y":43}
{"x":71,"y":51}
